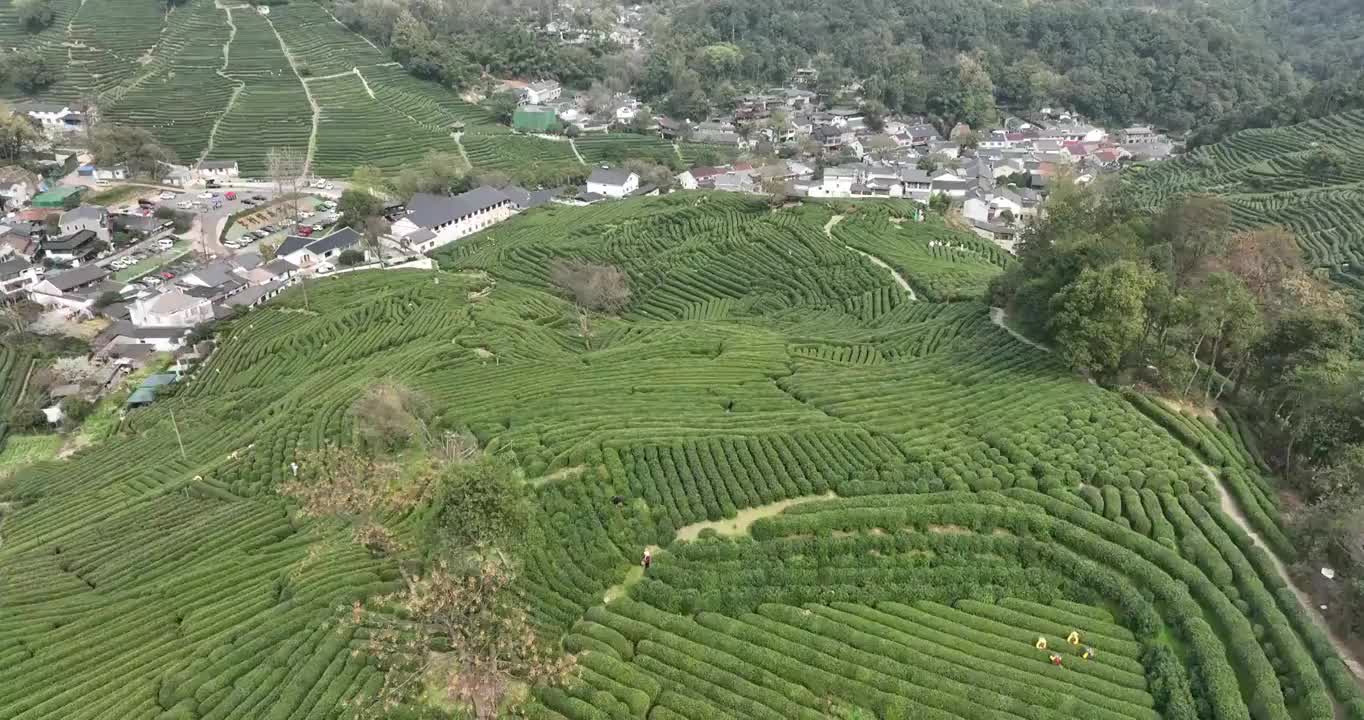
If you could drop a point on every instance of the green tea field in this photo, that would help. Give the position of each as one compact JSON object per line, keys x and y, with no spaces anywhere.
{"x":221,"y":81}
{"x":862,"y":503}
{"x":1308,"y":178}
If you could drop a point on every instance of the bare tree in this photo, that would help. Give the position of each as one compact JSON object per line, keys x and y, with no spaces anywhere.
{"x":492,"y":644}
{"x":390,"y":416}
{"x":286,"y":165}
{"x":346,"y":485}
{"x":375,"y":230}
{"x":593,"y":287}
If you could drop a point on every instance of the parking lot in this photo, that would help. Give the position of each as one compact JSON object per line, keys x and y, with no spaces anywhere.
{"x":275,"y":222}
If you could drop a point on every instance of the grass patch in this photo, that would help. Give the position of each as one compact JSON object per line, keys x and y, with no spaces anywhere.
{"x":115,"y":195}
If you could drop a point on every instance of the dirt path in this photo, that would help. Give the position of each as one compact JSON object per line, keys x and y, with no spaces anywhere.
{"x":462,"y":154}
{"x":997,"y":317}
{"x":899,"y":279}
{"x":737,"y":525}
{"x":364,"y":82}
{"x":1233,"y":511}
{"x":237,"y":85}
{"x":740,"y":523}
{"x":575,"y":151}
{"x":307,"y":92}
{"x":23,"y":389}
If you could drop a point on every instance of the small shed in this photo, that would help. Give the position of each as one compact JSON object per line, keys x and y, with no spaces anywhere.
{"x":54,"y":415}
{"x":61,"y":392}
{"x":145,"y":393}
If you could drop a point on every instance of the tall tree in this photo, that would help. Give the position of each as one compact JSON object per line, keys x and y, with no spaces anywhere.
{"x":1100,"y":317}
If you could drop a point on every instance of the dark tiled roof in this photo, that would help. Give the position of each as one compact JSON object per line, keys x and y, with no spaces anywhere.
{"x":80,"y":277}
{"x":609,"y":176}
{"x":427,"y":210}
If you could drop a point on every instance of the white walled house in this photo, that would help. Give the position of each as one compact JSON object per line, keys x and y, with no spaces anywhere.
{"x":86,"y":217}
{"x":18,"y":276}
{"x":54,"y":118}
{"x":446,"y":219}
{"x":219,"y":170}
{"x":612,"y":182}
{"x":18,"y":186}
{"x":309,"y":251}
{"x":542,"y":92}
{"x":837,"y":182}
{"x":116,"y":172}
{"x":174,"y":308}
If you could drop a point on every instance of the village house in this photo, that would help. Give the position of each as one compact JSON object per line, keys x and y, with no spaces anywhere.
{"x":17,"y":187}
{"x":53,"y":118}
{"x":612,"y":182}
{"x":20,"y":243}
{"x":111,"y":173}
{"x":86,"y":217}
{"x":538,"y":93}
{"x":735,"y":182}
{"x":174,"y":308}
{"x":306,"y":252}
{"x":74,"y":249}
{"x":18,"y":276}
{"x":176,"y":175}
{"x":446,"y":219}
{"x":68,"y":289}
{"x":124,"y":339}
{"x":219,"y":170}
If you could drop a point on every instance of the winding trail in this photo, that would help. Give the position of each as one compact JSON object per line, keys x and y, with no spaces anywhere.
{"x":997,"y":317}
{"x":575,"y":151}
{"x":307,"y":92}
{"x":1233,"y":511}
{"x":237,"y":85}
{"x":899,"y":279}
{"x":729,"y":527}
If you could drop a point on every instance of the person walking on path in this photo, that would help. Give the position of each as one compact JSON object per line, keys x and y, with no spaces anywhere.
{"x":647,"y":561}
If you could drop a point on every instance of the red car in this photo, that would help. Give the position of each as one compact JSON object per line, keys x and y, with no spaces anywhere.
{"x":305,"y":231}
{"x":230,"y":195}
{"x":167,"y":276}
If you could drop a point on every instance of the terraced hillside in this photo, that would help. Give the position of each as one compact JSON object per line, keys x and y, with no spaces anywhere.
{"x":948,"y":496}
{"x":1308,"y":178}
{"x":221,"y":81}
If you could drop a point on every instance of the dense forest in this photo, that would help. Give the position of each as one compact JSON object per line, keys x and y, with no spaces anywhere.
{"x":1178,"y":64}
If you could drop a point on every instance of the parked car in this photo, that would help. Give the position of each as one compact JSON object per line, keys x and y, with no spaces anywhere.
{"x":230,"y":195}
{"x":205,"y":196}
{"x":249,"y":202}
{"x":305,"y":231}
{"x":184,"y":205}
{"x":211,"y":184}
{"x":325,"y":268}
{"x":165,"y":243}
{"x":168,"y":275}
{"x":258,"y":197}
{"x":168,"y":195}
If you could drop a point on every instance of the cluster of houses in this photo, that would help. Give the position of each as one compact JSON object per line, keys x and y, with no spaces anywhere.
{"x":543,"y":106}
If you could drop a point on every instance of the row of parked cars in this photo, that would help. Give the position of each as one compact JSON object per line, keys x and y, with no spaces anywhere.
{"x":132,"y":259}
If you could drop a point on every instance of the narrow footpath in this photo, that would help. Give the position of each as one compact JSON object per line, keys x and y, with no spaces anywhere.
{"x":1233,"y":511}
{"x":895,"y":274}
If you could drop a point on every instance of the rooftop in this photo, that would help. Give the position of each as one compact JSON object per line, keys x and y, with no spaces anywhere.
{"x":79,"y":277}
{"x":609,"y":176}
{"x":426,"y":210}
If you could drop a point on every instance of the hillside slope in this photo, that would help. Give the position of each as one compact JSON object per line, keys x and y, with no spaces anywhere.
{"x":983,"y":496}
{"x":1308,"y":178}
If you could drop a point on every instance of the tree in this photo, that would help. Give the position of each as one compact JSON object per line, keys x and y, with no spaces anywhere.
{"x":356,"y":206}
{"x":1190,"y":234}
{"x":29,"y":70}
{"x":437,"y":172}
{"x":286,"y":166}
{"x":874,"y":114}
{"x":18,"y":137}
{"x":350,"y":486}
{"x":390,"y":417}
{"x":369,"y":178}
{"x":133,"y":147}
{"x":33,"y":15}
{"x":502,"y":105}
{"x":74,"y":410}
{"x":488,"y":640}
{"x":1100,"y":317}
{"x":593,"y":287}
{"x":107,"y":298}
{"x":476,"y":506}
{"x":350,"y":258}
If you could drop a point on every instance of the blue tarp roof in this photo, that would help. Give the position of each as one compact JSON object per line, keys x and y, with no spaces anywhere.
{"x":142,"y":396}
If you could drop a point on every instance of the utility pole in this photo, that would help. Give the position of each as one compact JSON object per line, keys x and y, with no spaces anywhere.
{"x":178,"y":439}
{"x":304,"y":280}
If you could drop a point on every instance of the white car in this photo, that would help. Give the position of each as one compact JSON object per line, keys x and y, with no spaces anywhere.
{"x":167,"y":196}
{"x":165,"y":243}
{"x":325,"y":268}
{"x":205,"y":196}
{"x":184,"y":205}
